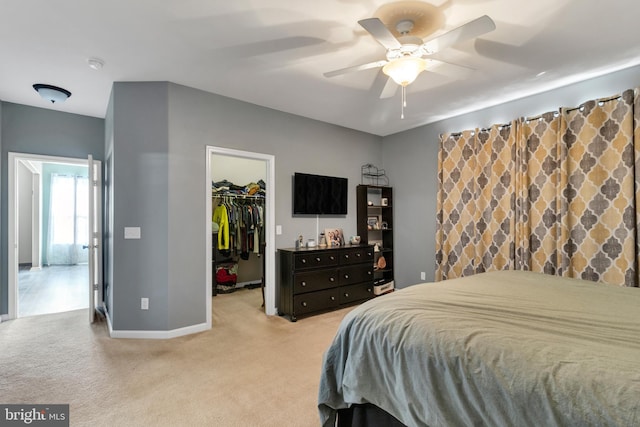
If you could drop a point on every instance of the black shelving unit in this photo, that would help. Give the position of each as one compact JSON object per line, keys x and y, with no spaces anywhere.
{"x":375,"y":227}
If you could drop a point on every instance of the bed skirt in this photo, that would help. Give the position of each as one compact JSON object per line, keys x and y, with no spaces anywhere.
{"x":366,"y":415}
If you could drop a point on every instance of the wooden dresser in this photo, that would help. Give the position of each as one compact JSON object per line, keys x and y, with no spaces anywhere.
{"x":314,"y":280}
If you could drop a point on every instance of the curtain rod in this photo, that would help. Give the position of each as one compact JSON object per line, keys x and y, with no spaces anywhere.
{"x":580,"y":107}
{"x":540,"y":116}
{"x":556,"y":113}
{"x":473,"y":131}
{"x":600,"y":102}
{"x":500,"y":126}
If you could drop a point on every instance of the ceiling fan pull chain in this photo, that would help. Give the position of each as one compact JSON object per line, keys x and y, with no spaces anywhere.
{"x":404,"y":101}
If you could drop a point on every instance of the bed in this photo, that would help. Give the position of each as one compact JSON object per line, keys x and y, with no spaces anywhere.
{"x":507,"y":348}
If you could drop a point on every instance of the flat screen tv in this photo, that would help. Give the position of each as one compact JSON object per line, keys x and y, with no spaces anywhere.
{"x":319,"y":195}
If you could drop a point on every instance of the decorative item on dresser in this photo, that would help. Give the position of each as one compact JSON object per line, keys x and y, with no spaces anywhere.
{"x":314,"y":280}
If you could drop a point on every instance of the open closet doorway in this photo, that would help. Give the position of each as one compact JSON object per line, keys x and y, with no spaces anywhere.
{"x":240,"y":212}
{"x":53,"y":236}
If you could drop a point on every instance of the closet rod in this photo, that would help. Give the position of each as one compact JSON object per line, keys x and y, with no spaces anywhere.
{"x":239,"y":196}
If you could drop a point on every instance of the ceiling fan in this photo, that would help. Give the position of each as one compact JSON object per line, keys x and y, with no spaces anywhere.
{"x":407,"y":56}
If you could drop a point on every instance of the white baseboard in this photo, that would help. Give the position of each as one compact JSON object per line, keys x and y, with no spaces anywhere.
{"x":4,"y":317}
{"x":155,"y":335}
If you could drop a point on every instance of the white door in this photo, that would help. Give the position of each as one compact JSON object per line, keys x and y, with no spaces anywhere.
{"x":95,"y":236}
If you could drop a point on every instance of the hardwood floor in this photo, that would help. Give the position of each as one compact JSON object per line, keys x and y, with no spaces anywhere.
{"x":53,"y":289}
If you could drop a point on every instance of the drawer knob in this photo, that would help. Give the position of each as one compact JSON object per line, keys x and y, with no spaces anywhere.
{"x":318,"y":259}
{"x":369,"y":254}
{"x":333,"y":298}
{"x":304,"y":304}
{"x":346,"y":295}
{"x":346,"y":276}
{"x":304,"y":261}
{"x":369,"y":290}
{"x":346,"y":256}
{"x":369,"y":272}
{"x":303,"y":284}
{"x":332,"y":279}
{"x":332,"y":257}
{"x":358,"y":255}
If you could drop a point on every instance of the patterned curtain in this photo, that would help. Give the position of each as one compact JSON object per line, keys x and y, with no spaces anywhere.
{"x":537,"y":208}
{"x":476,"y":195}
{"x":597,"y":205}
{"x":557,"y":194}
{"x":456,"y":199}
{"x":495,"y":198}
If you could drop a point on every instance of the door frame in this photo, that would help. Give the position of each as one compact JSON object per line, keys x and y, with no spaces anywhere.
{"x":36,"y":213}
{"x":12,"y":229}
{"x":269,"y":273}
{"x":94,"y":245}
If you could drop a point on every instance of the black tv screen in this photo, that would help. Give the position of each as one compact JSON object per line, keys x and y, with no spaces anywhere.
{"x":319,"y":195}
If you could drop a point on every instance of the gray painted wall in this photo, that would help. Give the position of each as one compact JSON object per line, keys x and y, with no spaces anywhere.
{"x":33,"y":130}
{"x":140,"y":159}
{"x":298,"y":144}
{"x":168,"y":263}
{"x":411,"y":161}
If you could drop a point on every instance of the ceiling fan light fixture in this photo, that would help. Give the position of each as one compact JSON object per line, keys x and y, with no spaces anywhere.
{"x":404,"y":70}
{"x":52,"y":93}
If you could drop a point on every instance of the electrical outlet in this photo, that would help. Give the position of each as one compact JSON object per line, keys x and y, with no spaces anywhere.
{"x":423,"y":275}
{"x":144,"y":303}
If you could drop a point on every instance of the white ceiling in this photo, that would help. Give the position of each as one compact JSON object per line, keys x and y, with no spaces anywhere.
{"x":274,"y":53}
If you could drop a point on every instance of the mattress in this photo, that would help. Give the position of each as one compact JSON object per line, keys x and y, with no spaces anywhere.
{"x":505,"y":348}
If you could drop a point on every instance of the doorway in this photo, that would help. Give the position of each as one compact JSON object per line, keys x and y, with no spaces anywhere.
{"x":269,"y":212}
{"x":51,"y":218}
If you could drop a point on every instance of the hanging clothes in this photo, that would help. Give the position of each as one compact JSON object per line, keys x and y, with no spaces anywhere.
{"x":221,"y":217}
{"x":244,"y":233}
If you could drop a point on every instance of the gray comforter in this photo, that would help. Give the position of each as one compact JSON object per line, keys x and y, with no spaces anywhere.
{"x":496,"y":349}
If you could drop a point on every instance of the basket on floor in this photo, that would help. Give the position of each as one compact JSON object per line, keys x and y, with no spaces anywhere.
{"x":226,"y":277}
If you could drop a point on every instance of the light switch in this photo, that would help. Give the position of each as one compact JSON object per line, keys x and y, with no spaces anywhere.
{"x":278,"y":230}
{"x":132,"y":232}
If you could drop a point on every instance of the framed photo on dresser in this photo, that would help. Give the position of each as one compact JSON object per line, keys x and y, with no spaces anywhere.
{"x":334,"y":236}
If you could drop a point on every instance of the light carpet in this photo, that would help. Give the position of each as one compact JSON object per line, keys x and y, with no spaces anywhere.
{"x":248,"y":370}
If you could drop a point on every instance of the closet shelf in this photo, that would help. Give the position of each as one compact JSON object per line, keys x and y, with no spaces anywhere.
{"x":237,"y":196}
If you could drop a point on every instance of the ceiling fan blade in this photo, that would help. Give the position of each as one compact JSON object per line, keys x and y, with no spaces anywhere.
{"x":355,"y":68}
{"x":468,"y":31}
{"x":389,"y":89}
{"x":449,"y":69}
{"x":377,"y":29}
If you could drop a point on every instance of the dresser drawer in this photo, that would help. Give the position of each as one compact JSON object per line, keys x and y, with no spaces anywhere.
{"x":356,"y":274}
{"x":357,"y":292}
{"x":316,"y":301}
{"x":356,"y":256}
{"x":316,"y":259}
{"x":315,"y":280}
